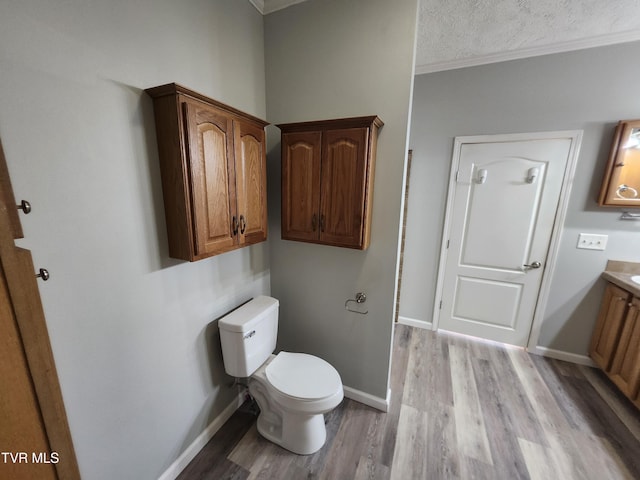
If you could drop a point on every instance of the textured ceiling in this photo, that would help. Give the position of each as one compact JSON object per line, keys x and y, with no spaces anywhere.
{"x":458,"y":33}
{"x":466,"y":32}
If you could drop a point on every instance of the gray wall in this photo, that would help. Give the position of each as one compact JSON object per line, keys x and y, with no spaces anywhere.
{"x":331,"y":59}
{"x":589,"y":90}
{"x":137,"y":356}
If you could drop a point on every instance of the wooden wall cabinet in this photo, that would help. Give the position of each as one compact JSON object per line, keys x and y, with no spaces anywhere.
{"x":615,"y":344}
{"x":621,"y":182}
{"x":327,"y":180}
{"x":213,"y":167}
{"x":32,"y":412}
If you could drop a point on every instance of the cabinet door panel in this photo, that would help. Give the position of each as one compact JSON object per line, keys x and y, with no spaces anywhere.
{"x":301,"y":185}
{"x":343,"y":186}
{"x":212,"y":178}
{"x":608,"y":326}
{"x":22,"y":425}
{"x":625,"y":370}
{"x":251,"y":181}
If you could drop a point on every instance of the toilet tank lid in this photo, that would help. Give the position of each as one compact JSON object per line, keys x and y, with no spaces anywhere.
{"x":246,"y":316}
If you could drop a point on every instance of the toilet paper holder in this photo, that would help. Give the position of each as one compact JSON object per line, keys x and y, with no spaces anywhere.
{"x":361,"y":297}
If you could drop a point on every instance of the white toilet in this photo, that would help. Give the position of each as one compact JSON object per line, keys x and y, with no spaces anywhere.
{"x":293,"y":390}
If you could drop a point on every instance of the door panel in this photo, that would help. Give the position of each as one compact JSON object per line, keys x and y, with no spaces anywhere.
{"x":504,"y":206}
{"x":343,"y":186}
{"x":487,"y":301}
{"x":300,"y":185}
{"x":211,"y":175}
{"x":513,"y":204}
{"x":251,"y":182}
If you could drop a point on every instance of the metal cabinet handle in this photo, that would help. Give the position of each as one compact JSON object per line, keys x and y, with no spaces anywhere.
{"x":243,"y":224}
{"x":314,"y":222}
{"x":43,"y":274}
{"x":533,"y":265}
{"x":24,"y":206}
{"x":234,"y":225}
{"x":322,"y":222}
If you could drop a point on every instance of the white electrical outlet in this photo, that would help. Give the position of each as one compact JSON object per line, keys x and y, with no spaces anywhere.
{"x":591,"y":241}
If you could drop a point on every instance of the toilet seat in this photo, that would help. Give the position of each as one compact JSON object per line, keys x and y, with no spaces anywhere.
{"x":303,"y":377}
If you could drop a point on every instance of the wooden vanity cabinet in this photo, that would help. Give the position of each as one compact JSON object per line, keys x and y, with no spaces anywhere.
{"x":213,"y":168}
{"x":608,"y":326}
{"x":625,"y":369}
{"x":327,"y":180}
{"x":615,"y":344}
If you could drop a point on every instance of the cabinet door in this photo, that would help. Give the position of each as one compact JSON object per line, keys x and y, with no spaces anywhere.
{"x":251,"y":181}
{"x":344,"y":177}
{"x":212,"y":178}
{"x":608,"y":326}
{"x":301,"y":185}
{"x":625,"y":370}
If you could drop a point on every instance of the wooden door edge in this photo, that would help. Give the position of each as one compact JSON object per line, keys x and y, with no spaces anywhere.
{"x":23,"y":290}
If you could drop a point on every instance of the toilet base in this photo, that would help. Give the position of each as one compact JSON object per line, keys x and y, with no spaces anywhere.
{"x":298,"y":432}
{"x":301,"y":434}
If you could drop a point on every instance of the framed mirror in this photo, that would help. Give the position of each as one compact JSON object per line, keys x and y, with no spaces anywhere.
{"x":621,"y":183}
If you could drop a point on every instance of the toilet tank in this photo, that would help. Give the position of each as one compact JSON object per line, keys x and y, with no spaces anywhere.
{"x":248,"y":335}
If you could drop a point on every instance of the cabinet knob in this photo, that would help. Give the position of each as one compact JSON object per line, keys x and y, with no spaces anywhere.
{"x":24,"y":206}
{"x":43,"y":274}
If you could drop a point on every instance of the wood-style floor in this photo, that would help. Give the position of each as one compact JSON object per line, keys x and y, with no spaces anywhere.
{"x":459,"y":409}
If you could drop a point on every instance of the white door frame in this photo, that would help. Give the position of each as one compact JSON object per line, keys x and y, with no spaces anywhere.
{"x":567,"y":182}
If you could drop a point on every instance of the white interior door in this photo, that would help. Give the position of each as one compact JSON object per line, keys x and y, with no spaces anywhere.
{"x":505,"y":199}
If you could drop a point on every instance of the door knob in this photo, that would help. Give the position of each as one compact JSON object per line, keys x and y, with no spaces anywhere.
{"x":533,"y":265}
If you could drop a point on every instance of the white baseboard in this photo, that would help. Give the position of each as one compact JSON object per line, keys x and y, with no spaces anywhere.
{"x":368,"y":399}
{"x":201,"y":440}
{"x":412,"y":322}
{"x":561,"y":355}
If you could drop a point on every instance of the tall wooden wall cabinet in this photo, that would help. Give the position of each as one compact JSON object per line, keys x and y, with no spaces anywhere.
{"x":33,"y":418}
{"x":213,"y":167}
{"x":327,"y":180}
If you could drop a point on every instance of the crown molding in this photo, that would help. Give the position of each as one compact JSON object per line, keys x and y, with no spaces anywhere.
{"x":259,"y":4}
{"x":559,"y":47}
{"x":265,"y":7}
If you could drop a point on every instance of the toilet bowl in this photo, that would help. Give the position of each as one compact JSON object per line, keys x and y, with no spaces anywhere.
{"x":293,"y":390}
